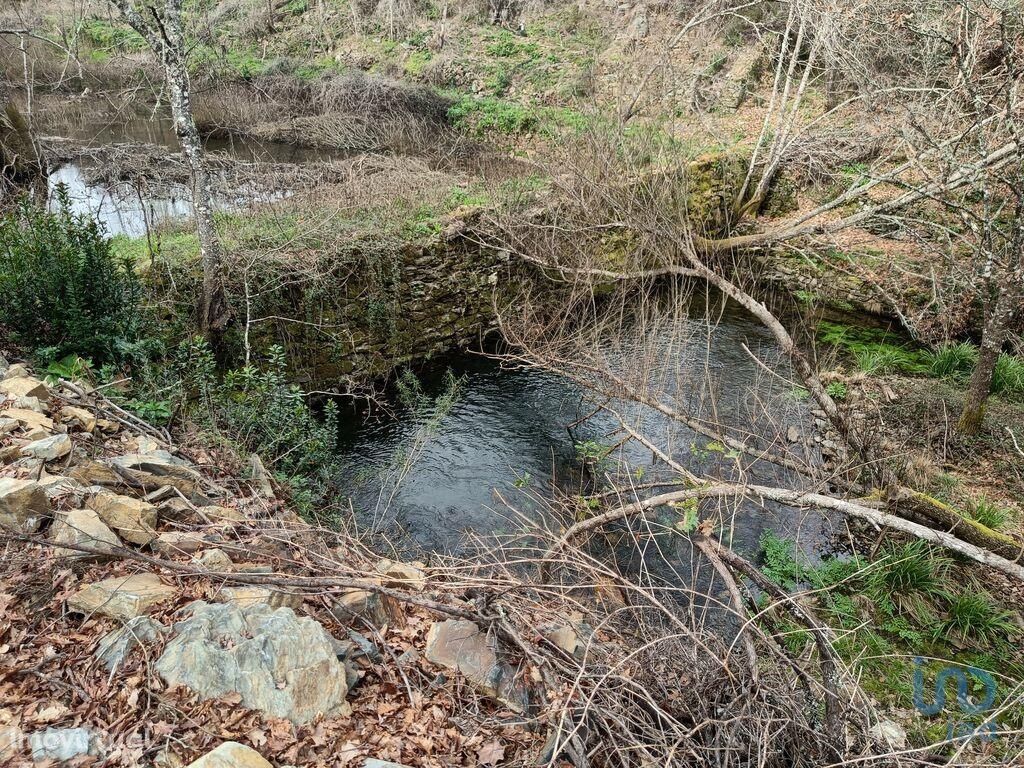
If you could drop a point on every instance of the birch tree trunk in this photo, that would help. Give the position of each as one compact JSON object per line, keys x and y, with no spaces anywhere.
{"x":164,"y":34}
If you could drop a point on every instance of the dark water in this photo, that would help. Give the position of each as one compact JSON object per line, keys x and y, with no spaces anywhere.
{"x":431,"y":479}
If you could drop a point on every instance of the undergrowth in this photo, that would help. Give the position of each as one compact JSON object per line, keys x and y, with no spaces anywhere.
{"x":908,"y":603}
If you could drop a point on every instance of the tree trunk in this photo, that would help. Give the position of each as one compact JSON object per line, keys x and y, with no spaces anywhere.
{"x":20,"y":163}
{"x":165,"y":36}
{"x":993,"y":336}
{"x":1009,"y":284}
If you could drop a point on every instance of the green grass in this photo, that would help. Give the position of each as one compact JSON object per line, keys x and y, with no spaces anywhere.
{"x":907,"y":579}
{"x":989,"y":514}
{"x":879,"y":352}
{"x":954,"y":361}
{"x":111,"y":38}
{"x":1008,"y":377}
{"x":974,"y":616}
{"x":174,"y":247}
{"x":486,"y":114}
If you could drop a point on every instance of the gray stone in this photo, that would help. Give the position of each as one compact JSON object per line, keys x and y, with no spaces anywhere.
{"x":214,"y":560}
{"x":23,"y":504}
{"x":62,"y":744}
{"x":15,"y":371}
{"x":890,"y":734}
{"x":49,"y":448}
{"x":280,"y":664}
{"x":30,"y":404}
{"x":179,"y":543}
{"x":123,"y":597}
{"x":83,"y":527}
{"x":7,"y":425}
{"x":231,"y":754}
{"x":373,"y":762}
{"x":460,"y":645}
{"x":115,"y":646}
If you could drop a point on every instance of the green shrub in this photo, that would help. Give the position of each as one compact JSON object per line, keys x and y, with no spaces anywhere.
{"x":259,"y":411}
{"x":62,"y":290}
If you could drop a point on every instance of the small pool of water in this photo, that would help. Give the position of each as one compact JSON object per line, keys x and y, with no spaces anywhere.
{"x":507,"y":443}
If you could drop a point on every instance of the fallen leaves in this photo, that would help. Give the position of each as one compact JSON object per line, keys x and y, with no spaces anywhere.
{"x":490,"y":753}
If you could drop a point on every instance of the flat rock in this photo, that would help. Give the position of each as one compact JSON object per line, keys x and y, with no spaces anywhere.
{"x":244,"y":596}
{"x":214,"y":560}
{"x":31,"y":404}
{"x":231,"y":754}
{"x":399,"y":575}
{"x":280,"y":664}
{"x":85,"y":420}
{"x":459,"y":645}
{"x":133,"y":519}
{"x":115,"y":646}
{"x":373,"y":762}
{"x":15,"y":371}
{"x":58,"y":485}
{"x":62,"y":744}
{"x":94,"y":473}
{"x":83,"y":527}
{"x":23,"y":504}
{"x":124,"y":597}
{"x":48,"y":448}
{"x":374,"y":607}
{"x":29,"y":419}
{"x":24,"y":386}
{"x":179,"y":543}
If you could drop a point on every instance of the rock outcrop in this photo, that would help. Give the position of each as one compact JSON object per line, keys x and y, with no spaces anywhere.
{"x":278,"y":663}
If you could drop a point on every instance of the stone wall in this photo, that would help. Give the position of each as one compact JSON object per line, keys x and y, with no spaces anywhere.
{"x":422,"y":298}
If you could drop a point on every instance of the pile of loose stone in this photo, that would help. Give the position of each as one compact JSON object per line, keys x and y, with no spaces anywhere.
{"x":81,"y":477}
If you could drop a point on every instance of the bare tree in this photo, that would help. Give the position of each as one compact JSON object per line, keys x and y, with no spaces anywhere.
{"x":662,"y":232}
{"x":164,"y":33}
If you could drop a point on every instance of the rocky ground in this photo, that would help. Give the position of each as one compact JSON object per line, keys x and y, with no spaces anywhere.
{"x":159,"y":611}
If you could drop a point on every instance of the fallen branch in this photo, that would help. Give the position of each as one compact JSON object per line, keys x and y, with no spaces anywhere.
{"x":876,"y":517}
